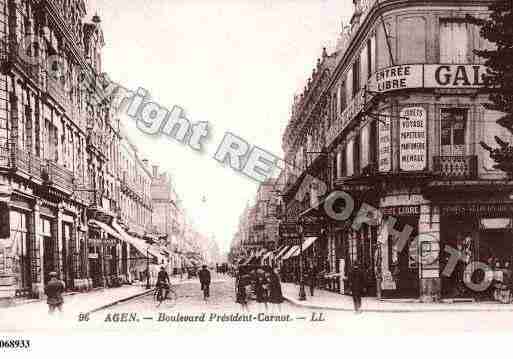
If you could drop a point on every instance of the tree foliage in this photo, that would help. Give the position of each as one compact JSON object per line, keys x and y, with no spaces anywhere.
{"x":498,"y":30}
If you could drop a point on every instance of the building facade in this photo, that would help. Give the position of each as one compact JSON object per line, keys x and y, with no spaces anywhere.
{"x":399,"y":124}
{"x":165,"y":215}
{"x":53,"y":131}
{"x":75,"y":195}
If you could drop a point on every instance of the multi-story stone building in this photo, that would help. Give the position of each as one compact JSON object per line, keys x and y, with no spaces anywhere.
{"x":401,"y":124}
{"x":53,"y":136}
{"x":165,"y":215}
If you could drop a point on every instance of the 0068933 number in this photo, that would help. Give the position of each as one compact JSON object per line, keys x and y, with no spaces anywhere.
{"x":14,"y":344}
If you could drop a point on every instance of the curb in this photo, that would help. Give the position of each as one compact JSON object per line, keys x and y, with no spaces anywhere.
{"x":133,"y":296}
{"x":297,"y":303}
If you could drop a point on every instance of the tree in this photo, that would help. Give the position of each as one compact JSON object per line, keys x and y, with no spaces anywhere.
{"x":498,"y":82}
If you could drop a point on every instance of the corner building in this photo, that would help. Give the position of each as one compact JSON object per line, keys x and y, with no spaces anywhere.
{"x":403,"y":123}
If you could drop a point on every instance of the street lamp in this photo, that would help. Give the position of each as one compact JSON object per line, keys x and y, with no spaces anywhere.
{"x":148,"y":268}
{"x":302,"y":293}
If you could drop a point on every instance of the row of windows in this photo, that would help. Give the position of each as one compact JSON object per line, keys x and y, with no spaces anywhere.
{"x":455,"y":47}
{"x":362,"y":149}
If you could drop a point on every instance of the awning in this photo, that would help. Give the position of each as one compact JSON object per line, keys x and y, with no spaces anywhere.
{"x":106,"y":228}
{"x":282,"y":251}
{"x":267,"y":255}
{"x":291,"y":252}
{"x":308,"y":242}
{"x":137,"y":243}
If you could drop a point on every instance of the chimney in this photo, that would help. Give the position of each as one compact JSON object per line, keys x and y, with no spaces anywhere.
{"x":155,"y":171}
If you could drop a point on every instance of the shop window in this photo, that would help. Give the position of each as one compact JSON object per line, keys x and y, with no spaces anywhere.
{"x":453,"y":125}
{"x":20,"y":258}
{"x":454,"y":42}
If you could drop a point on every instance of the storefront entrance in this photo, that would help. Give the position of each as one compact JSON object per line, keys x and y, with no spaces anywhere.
{"x":482,"y":233}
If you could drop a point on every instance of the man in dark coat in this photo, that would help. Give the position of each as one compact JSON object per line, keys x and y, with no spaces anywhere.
{"x":204,"y":277}
{"x":357,"y":277}
{"x":312,"y":279}
{"x":53,"y":291}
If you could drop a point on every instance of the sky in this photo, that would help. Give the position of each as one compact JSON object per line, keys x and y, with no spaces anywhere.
{"x":234,"y":63}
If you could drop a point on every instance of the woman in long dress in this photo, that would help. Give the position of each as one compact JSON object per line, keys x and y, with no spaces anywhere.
{"x":261,"y":287}
{"x":241,"y":295}
{"x":275,"y":292}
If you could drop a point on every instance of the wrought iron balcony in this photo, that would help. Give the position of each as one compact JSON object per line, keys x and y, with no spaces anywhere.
{"x":57,"y":176}
{"x":16,"y":159}
{"x":10,"y":56}
{"x":455,"y":167}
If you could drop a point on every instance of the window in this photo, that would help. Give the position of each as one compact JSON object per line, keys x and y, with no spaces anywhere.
{"x":364,"y":67}
{"x":20,"y":257}
{"x":350,"y":158}
{"x":364,"y":145}
{"x":341,"y":163}
{"x":453,"y":123}
{"x":454,"y":42}
{"x":352,"y":247}
{"x":356,"y":155}
{"x":370,"y":56}
{"x":342,"y":97}
{"x":356,"y":77}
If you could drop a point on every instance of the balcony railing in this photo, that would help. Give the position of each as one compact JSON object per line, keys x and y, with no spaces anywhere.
{"x":58,"y":176}
{"x":455,"y":167}
{"x":10,"y":53}
{"x":17,"y":159}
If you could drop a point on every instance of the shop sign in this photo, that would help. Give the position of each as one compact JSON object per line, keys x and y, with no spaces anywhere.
{"x":93,"y":256}
{"x":477,"y":209}
{"x":108,"y":256}
{"x":454,"y":76}
{"x":401,"y":211}
{"x":397,"y":78}
{"x":412,"y":134}
{"x":385,"y":149}
{"x":427,"y":76}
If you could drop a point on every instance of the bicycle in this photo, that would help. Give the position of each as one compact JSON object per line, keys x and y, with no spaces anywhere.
{"x":158,"y":295}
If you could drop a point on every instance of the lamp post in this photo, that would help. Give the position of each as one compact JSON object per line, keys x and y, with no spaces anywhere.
{"x":148,"y":268}
{"x":302,"y":293}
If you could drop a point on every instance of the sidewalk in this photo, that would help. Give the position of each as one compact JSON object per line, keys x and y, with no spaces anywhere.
{"x":325,"y":300}
{"x":76,"y":303}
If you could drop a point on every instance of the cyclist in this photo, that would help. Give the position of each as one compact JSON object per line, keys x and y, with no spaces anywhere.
{"x":163,"y":281}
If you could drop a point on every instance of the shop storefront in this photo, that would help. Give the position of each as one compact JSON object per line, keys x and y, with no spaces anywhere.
{"x":482,"y":231}
{"x":398,"y":275}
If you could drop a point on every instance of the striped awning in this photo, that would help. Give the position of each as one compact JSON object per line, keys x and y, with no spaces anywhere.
{"x":291,"y":253}
{"x":282,"y":251}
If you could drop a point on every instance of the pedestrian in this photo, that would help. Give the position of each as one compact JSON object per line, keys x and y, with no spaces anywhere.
{"x":204,"y":277}
{"x":357,"y":278}
{"x":53,"y":291}
{"x":243,"y":280}
{"x":275,"y":292}
{"x":312,"y":279}
{"x":261,"y":288}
